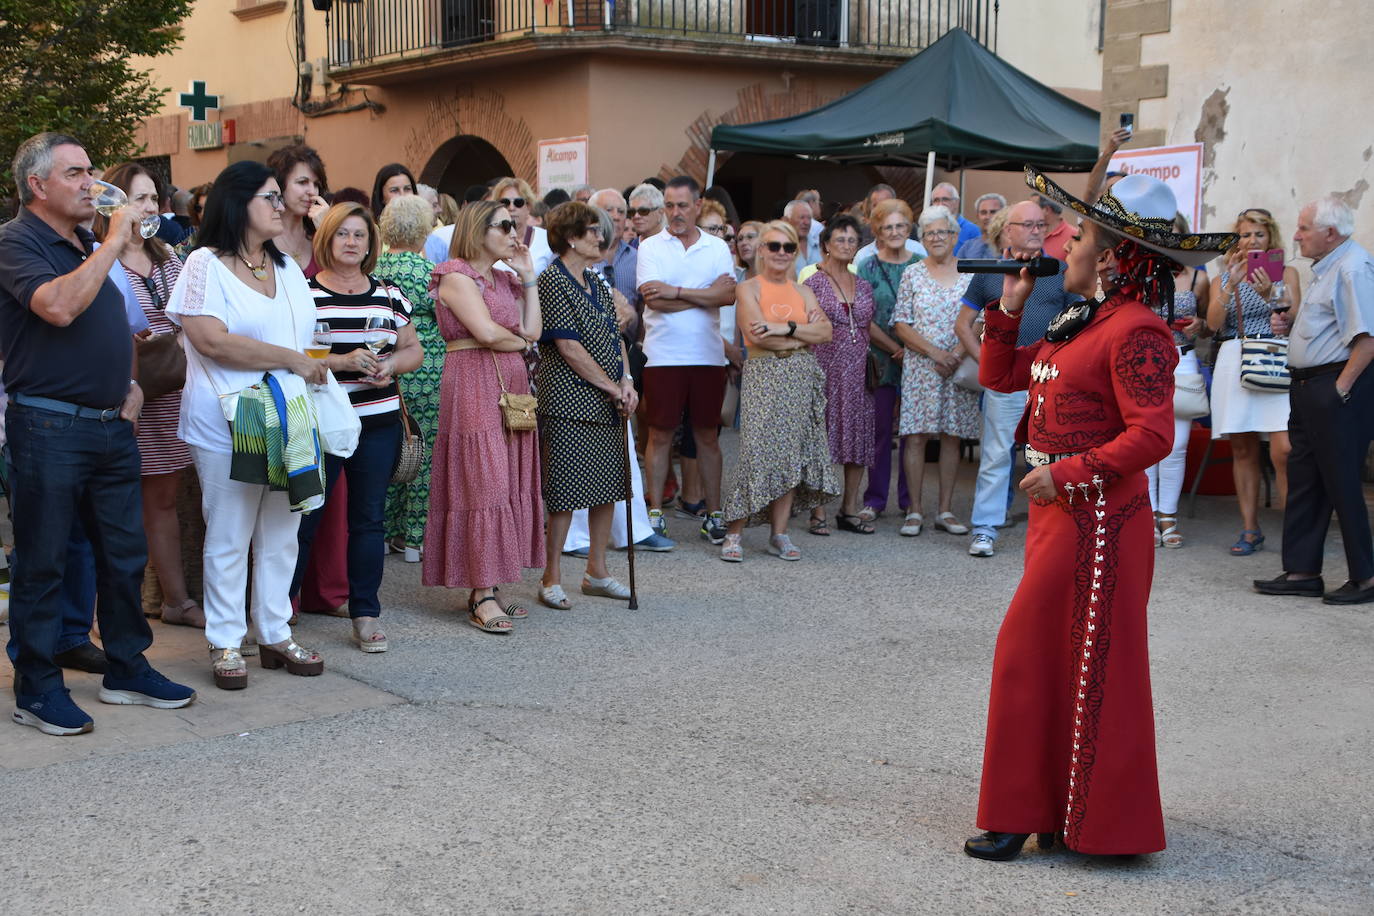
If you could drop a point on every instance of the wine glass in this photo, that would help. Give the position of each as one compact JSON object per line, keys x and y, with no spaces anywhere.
{"x":107,"y":198}
{"x":378,"y":332}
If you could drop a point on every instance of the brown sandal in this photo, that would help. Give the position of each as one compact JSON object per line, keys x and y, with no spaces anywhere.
{"x":228,"y":668}
{"x":186,"y":614}
{"x":297,"y":659}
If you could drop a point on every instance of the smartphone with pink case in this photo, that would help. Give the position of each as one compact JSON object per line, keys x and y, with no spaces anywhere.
{"x":1271,"y":262}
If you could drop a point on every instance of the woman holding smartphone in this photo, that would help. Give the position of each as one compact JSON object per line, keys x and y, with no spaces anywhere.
{"x":1242,"y":299}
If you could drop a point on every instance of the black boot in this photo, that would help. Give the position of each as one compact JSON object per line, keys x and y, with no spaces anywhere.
{"x":996,"y":847}
{"x":999,"y":847}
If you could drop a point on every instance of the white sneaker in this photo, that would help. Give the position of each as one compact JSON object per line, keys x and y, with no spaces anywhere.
{"x":982,"y":546}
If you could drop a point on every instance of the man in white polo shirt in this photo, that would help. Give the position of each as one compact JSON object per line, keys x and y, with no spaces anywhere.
{"x":685,"y":276}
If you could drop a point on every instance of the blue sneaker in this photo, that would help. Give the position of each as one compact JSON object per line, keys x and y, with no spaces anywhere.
{"x":656,"y":543}
{"x":148,"y":689}
{"x":52,"y":713}
{"x":580,"y":553}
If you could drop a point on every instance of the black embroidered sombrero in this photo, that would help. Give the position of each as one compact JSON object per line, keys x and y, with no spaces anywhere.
{"x":1141,"y":208}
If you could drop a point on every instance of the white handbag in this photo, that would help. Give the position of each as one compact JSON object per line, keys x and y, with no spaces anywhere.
{"x":339,"y":423}
{"x":1190,"y":396}
{"x":966,"y":376}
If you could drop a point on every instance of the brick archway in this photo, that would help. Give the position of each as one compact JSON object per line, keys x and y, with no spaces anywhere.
{"x":478,"y":112}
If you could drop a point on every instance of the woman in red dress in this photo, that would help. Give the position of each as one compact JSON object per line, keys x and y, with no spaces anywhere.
{"x":1070,"y":741}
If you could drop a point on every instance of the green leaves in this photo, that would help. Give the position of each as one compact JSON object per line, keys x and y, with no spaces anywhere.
{"x":65,"y":65}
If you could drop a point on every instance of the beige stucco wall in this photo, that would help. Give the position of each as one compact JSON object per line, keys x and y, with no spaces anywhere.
{"x":1055,"y":41}
{"x":1280,"y":95}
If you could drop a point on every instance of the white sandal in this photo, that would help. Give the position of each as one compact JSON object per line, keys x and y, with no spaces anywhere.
{"x":731,"y":550}
{"x":911,"y":525}
{"x":605,"y":588}
{"x":553,"y":596}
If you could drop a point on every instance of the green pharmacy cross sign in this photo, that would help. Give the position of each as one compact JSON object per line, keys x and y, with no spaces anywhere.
{"x":198,"y":100}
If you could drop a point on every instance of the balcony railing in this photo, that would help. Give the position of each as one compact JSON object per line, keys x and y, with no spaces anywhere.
{"x":364,"y":32}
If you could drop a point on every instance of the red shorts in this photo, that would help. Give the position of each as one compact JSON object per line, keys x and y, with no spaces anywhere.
{"x":669,"y":390}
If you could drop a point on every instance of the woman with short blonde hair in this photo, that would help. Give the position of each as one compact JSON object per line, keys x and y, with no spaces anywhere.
{"x":330,"y":225}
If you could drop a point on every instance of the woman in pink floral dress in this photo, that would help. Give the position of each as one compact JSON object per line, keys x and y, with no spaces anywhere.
{"x":928,"y":303}
{"x":847,"y":301}
{"x":486,"y":514}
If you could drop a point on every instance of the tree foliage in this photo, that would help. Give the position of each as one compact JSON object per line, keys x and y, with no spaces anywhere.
{"x":65,"y":65}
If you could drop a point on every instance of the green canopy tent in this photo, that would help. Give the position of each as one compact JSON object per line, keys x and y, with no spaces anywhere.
{"x":955,"y":104}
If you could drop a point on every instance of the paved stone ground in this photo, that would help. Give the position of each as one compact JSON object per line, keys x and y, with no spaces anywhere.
{"x":764,"y":738}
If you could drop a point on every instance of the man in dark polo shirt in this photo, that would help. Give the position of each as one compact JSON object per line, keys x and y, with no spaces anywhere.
{"x":1024,"y":236}
{"x":71,"y":449}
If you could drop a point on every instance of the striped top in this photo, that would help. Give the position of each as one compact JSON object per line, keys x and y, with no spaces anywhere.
{"x":347,"y":316}
{"x":160,"y":450}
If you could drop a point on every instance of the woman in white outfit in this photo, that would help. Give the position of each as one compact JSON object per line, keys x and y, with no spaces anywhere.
{"x":245,"y":309}
{"x":1165,"y":480}
{"x":1238,"y":413}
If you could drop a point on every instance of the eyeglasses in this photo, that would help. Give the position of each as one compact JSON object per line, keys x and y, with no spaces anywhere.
{"x":845,"y":240}
{"x":937,"y":233}
{"x":1030,"y":226}
{"x":643,"y":211}
{"x":507,"y":226}
{"x":775,"y":247}
{"x":273,"y":198}
{"x":896,"y":227}
{"x":509,"y":202}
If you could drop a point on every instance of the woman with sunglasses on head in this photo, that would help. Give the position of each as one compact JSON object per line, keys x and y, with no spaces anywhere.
{"x":517,"y":199}
{"x":928,"y":303}
{"x":784,"y":456}
{"x":891,"y":224}
{"x":152,"y":271}
{"x":847,"y":301}
{"x":1238,"y":413}
{"x":486,"y":515}
{"x":246,"y":309}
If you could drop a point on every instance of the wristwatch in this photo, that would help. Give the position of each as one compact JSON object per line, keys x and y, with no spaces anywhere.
{"x":791,"y":328}
{"x":1343,"y":395}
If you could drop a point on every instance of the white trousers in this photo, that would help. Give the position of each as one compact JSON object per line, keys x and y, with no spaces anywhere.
{"x":1166,"y":479}
{"x":577,"y":533}
{"x":237,"y":516}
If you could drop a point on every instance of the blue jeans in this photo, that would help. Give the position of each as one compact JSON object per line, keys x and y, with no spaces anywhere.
{"x":67,"y":471}
{"x":78,"y":595}
{"x":369,"y":473}
{"x":1001,"y":414}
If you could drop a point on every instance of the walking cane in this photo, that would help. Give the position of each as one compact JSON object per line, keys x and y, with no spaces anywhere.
{"x":629,"y":513}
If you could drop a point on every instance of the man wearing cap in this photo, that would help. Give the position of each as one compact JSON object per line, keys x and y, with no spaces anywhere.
{"x":71,"y":449}
{"x":1070,"y":738}
{"x":1331,"y":417}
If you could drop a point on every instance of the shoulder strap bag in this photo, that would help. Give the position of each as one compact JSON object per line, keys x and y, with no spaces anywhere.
{"x":1263,"y":360}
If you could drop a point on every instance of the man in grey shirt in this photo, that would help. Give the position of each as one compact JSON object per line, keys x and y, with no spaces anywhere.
{"x":1331,"y":408}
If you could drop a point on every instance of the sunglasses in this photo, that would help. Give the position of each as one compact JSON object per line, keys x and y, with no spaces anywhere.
{"x":775,"y":247}
{"x":1260,"y":210}
{"x":643,"y":211}
{"x":508,"y":202}
{"x":158,"y":301}
{"x":728,"y":237}
{"x":506,"y":226}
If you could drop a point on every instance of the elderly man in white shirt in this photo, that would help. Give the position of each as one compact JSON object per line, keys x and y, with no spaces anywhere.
{"x":1331,"y":409}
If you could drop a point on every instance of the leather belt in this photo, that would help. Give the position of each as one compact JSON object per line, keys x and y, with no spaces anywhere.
{"x":104,"y":415}
{"x":463,"y":343}
{"x":1038,"y":459}
{"x":1305,"y":372}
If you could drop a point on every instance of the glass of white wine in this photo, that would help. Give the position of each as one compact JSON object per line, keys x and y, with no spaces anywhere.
{"x":378,"y":332}
{"x":107,"y":198}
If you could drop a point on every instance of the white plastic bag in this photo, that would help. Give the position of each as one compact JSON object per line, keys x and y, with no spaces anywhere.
{"x":339,"y":423}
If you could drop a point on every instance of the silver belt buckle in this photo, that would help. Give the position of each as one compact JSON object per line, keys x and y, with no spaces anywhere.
{"x":1036,"y":458}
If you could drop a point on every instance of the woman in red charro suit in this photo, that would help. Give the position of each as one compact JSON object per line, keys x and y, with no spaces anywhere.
{"x":1070,"y":741}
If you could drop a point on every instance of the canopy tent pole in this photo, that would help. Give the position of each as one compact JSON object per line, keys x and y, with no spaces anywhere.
{"x":710,"y":167}
{"x":930,"y":176}
{"x":961,"y":191}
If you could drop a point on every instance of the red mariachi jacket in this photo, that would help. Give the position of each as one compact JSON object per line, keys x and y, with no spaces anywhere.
{"x":1105,"y":395}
